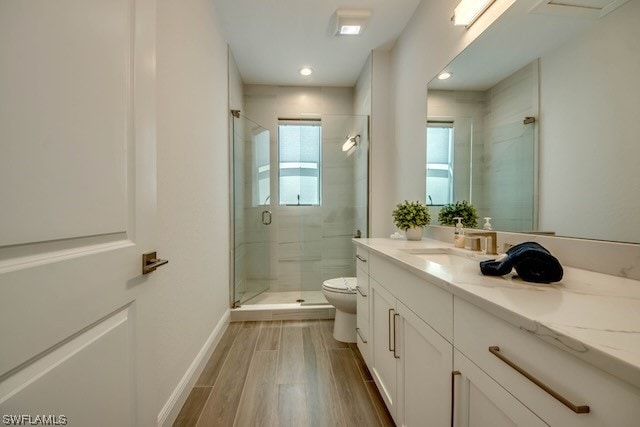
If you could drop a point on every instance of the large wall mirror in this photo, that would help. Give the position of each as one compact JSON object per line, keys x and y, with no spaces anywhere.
{"x":539,"y":124}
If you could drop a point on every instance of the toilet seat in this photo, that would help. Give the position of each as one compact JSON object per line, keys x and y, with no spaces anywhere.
{"x":341,"y":285}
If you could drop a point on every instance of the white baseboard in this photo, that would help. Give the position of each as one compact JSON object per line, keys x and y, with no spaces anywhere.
{"x":172,"y":407}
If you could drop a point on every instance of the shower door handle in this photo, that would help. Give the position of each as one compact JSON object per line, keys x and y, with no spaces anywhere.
{"x":266,"y":217}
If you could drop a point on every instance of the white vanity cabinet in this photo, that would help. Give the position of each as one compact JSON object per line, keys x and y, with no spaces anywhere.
{"x":410,"y":361}
{"x":509,"y":355}
{"x":362,"y":300}
{"x":437,"y":358}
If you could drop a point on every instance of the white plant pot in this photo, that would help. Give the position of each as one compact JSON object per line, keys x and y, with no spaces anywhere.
{"x":414,"y":233}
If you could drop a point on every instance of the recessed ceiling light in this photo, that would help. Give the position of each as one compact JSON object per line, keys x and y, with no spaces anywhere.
{"x":445,"y":75}
{"x":306,"y":71}
{"x":351,"y":22}
{"x":350,"y":30}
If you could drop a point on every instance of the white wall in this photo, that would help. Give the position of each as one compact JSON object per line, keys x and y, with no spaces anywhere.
{"x":193,"y":295}
{"x":382,"y":173}
{"x":589,"y":127}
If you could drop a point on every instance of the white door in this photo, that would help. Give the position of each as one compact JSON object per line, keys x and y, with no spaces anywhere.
{"x":424,"y":377}
{"x":77,"y":194}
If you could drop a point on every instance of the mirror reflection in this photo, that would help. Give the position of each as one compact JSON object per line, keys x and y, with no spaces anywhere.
{"x":492,"y":150}
{"x":547,"y":141}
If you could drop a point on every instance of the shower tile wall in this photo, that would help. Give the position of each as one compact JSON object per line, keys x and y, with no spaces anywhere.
{"x":304,"y":245}
{"x":509,"y":150}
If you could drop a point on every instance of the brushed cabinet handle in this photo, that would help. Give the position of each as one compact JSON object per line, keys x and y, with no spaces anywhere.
{"x":395,"y":344}
{"x":453,"y":394}
{"x":389,"y":324}
{"x":360,"y":291}
{"x":360,"y":258}
{"x":578,"y":409}
{"x":360,"y":335}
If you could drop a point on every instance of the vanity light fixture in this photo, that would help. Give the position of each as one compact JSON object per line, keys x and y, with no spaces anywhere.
{"x":352,"y":141}
{"x":468,"y":11}
{"x":351,"y":22}
{"x":306,"y":71}
{"x":444,"y":75}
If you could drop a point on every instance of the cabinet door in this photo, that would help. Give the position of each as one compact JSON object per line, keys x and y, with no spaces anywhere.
{"x":383,"y":363}
{"x":362,"y":316}
{"x":480,"y":401}
{"x":424,"y":372}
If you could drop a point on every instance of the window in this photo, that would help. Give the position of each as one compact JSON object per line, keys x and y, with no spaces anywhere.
{"x":299,"y":163}
{"x":439,"y":163}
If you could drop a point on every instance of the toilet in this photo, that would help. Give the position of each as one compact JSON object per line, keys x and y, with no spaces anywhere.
{"x":341,"y":293}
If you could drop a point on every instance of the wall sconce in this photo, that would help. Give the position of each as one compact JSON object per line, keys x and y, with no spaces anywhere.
{"x":352,"y":141}
{"x":468,"y":11}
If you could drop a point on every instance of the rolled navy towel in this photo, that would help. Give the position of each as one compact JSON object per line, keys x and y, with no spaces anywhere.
{"x":532,"y":262}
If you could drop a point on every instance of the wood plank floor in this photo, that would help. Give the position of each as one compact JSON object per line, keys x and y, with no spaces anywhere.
{"x":284,"y":373}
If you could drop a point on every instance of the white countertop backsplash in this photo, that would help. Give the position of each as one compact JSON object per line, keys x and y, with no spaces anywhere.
{"x":615,"y":258}
{"x":593,"y":316}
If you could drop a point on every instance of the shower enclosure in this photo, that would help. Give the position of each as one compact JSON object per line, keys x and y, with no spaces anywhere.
{"x":299,"y":195}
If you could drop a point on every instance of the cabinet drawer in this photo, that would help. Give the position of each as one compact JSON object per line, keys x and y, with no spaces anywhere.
{"x":429,"y":302}
{"x":611,"y":401}
{"x":362,"y":259}
{"x":480,"y":401}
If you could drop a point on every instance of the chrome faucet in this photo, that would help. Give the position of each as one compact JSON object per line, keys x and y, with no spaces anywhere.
{"x":491,"y":249}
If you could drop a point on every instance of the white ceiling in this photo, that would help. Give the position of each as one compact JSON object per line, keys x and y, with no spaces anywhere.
{"x":272,"y":39}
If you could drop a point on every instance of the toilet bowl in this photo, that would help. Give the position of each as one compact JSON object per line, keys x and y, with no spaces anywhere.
{"x":341,"y":293}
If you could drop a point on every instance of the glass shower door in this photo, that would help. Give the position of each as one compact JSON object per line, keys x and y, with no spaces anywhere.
{"x":252,"y":211}
{"x":299,"y":197}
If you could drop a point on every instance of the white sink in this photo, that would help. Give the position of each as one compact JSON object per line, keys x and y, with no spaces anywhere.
{"x":448,"y":256}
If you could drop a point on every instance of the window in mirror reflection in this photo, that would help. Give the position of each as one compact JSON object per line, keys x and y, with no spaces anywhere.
{"x":439,"y":162}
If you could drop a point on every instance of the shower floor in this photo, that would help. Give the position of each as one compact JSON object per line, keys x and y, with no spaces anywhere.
{"x":284,"y":306}
{"x":292,"y":297}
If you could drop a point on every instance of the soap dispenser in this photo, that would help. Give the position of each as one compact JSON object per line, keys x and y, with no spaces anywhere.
{"x":487,"y":223}
{"x":458,"y":237}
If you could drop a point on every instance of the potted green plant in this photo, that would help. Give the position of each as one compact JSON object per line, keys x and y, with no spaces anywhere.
{"x":411,"y":217}
{"x":464,"y":210}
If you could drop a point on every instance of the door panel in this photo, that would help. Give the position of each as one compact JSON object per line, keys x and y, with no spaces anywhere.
{"x":65,"y":90}
{"x":425,"y":372}
{"x":80,"y":211}
{"x":55,"y":386}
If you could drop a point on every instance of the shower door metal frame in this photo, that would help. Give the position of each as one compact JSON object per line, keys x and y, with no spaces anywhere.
{"x":234,"y":114}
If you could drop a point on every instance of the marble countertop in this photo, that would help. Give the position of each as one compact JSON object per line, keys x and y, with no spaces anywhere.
{"x":593,"y":316}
